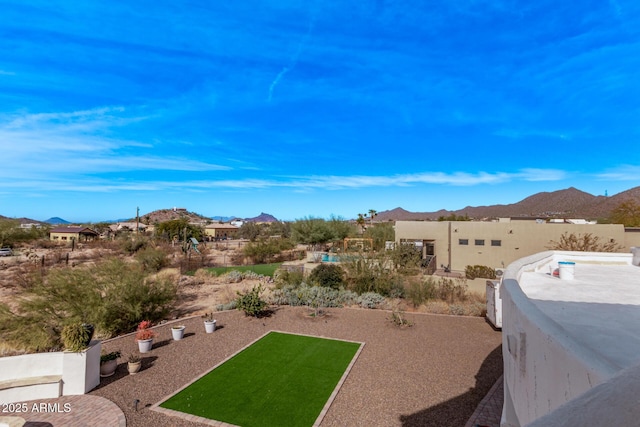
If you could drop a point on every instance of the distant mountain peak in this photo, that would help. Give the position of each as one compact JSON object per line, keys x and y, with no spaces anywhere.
{"x":263,"y":217}
{"x":56,"y":220}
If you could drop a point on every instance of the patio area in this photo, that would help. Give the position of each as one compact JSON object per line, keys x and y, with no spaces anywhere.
{"x":435,"y":373}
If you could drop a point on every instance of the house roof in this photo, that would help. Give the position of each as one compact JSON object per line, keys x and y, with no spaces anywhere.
{"x":74,"y":230}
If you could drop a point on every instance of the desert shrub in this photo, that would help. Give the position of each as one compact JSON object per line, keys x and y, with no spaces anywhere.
{"x":475,"y":271}
{"x":397,"y":318}
{"x":369,"y":300}
{"x":152,"y":259}
{"x":436,"y":307}
{"x":347,"y":297}
{"x":451,"y":290}
{"x":476,"y":309}
{"x":251,"y":303}
{"x":114,"y":296}
{"x":312,"y":296}
{"x":24,"y":335}
{"x":283,"y":277}
{"x":327,"y":275}
{"x":228,"y":306}
{"x":457,"y":310}
{"x":587,"y":242}
{"x":131,"y":245}
{"x":421,"y":291}
{"x":234,"y":276}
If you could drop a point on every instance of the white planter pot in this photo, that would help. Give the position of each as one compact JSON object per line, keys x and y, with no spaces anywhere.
{"x":210,"y":326}
{"x":177,"y":332}
{"x":145,"y":345}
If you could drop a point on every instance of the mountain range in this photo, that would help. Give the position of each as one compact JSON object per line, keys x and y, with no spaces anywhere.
{"x":567,"y":203}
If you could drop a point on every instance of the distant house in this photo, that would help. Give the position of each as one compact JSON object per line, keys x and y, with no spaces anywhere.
{"x":220,"y":231}
{"x":130,"y":226}
{"x":79,"y":234}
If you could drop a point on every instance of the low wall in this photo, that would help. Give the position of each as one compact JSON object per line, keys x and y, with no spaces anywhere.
{"x":33,"y":374}
{"x":544,"y":367}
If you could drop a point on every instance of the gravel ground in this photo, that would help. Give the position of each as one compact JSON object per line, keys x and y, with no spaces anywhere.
{"x":432,"y":374}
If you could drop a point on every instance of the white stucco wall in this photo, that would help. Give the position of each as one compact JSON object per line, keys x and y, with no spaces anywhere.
{"x":80,"y":373}
{"x":545,"y":365}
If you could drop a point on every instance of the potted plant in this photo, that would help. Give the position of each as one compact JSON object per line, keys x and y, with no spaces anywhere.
{"x":144,"y":336}
{"x":209,"y":322}
{"x":109,"y":363}
{"x":177,"y":332}
{"x":133,"y":364}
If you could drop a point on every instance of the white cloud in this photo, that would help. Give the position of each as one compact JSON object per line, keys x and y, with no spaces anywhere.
{"x":298,"y":183}
{"x":621,"y":173}
{"x":80,"y":142}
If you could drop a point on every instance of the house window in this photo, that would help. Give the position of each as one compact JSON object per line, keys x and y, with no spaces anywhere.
{"x":463,"y":241}
{"x":479,"y":242}
{"x":496,"y":243}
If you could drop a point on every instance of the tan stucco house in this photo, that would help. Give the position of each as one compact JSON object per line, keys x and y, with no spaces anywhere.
{"x":498,"y":244}
{"x":220,"y":231}
{"x":79,"y":234}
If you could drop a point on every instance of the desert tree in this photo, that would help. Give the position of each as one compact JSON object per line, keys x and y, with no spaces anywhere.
{"x":583,"y":243}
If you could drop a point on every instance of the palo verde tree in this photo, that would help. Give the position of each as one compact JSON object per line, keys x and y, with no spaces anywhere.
{"x":380,"y":233}
{"x":311,"y":231}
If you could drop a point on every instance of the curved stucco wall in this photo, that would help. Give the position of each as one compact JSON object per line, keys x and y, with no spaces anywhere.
{"x":544,"y":366}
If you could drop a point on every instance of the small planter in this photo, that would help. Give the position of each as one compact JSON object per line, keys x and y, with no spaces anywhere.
{"x":133,"y":367}
{"x":209,"y":326}
{"x":145,"y":345}
{"x":108,"y":368}
{"x":177,"y":332}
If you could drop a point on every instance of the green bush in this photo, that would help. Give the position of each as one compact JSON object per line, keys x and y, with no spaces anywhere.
{"x":283,"y":277}
{"x":406,"y":257}
{"x":251,"y":303}
{"x":475,"y":271}
{"x":152,"y":259}
{"x":114,"y":296}
{"x":327,"y":275}
{"x":130,"y":296}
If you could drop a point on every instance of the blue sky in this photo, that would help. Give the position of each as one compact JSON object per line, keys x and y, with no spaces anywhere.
{"x":312,"y":108}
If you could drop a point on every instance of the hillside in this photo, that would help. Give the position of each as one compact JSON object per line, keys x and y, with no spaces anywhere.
{"x":567,"y":203}
{"x":263,"y":217}
{"x":163,"y":215}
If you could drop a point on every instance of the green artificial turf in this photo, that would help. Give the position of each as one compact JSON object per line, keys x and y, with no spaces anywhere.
{"x":264,"y":269}
{"x":280,"y":380}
